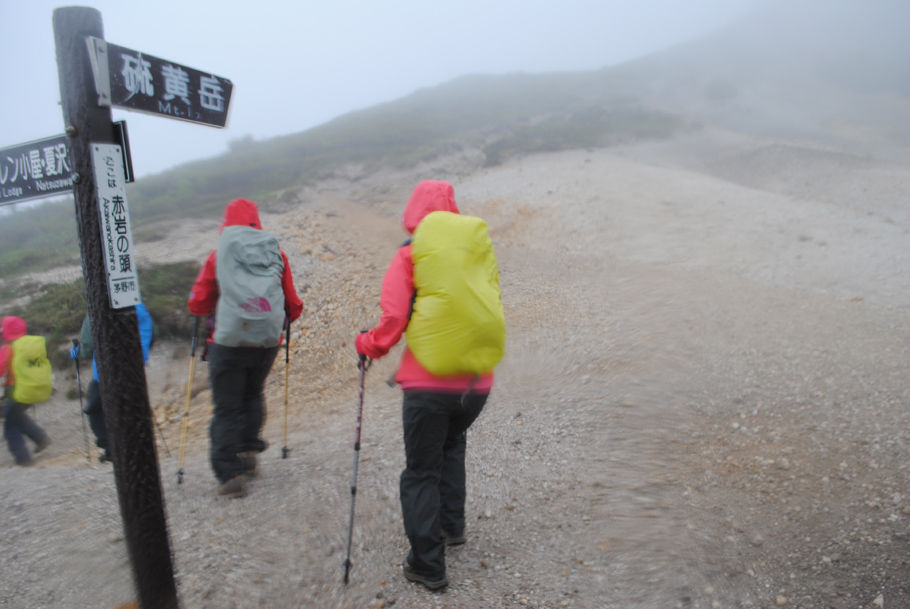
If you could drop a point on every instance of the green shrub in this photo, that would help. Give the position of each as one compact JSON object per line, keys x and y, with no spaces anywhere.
{"x":56,"y":311}
{"x":165,"y":289}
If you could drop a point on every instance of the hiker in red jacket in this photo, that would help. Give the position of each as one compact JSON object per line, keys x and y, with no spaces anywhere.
{"x":247,"y":283}
{"x":17,"y":425}
{"x":436,"y":411}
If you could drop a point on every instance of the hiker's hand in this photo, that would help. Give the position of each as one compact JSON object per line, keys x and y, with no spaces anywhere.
{"x":74,"y":352}
{"x":363,"y":350}
{"x":359,"y":343}
{"x":365,"y":345}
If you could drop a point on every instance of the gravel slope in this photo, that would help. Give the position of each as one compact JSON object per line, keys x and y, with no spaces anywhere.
{"x":703,"y":404}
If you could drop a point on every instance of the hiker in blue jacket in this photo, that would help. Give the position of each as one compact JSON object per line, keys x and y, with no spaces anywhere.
{"x":85,"y":350}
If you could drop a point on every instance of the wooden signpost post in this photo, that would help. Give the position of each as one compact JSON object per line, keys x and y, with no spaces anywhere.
{"x":93,"y":76}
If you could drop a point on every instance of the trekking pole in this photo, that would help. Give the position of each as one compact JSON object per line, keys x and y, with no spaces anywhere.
{"x":364,"y":364}
{"x":287,"y":366}
{"x":161,"y":434}
{"x":88,"y":455}
{"x":189,"y":392}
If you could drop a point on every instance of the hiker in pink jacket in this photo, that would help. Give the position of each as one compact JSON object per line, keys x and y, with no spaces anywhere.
{"x":437,"y":410}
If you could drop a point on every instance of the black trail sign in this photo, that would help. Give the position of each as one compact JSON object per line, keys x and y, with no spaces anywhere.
{"x":37,"y":169}
{"x":138,"y":81}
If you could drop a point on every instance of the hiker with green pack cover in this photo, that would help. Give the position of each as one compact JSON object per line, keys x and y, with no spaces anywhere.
{"x":246,"y":282}
{"x":28,"y":380}
{"x":441,"y":291}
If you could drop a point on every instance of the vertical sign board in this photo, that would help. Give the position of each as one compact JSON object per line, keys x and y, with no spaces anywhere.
{"x":137,"y":81}
{"x":37,"y":169}
{"x":116,"y":235}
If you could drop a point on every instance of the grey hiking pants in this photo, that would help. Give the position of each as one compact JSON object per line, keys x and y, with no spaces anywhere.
{"x":17,"y":426}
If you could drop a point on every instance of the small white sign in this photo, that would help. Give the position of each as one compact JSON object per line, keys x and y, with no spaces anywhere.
{"x":116,"y":235}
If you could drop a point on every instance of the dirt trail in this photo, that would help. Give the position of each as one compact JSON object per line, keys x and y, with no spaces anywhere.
{"x":703,"y":405}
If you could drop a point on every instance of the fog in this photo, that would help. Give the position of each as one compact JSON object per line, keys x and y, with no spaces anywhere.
{"x":795,"y":68}
{"x":295,"y":65}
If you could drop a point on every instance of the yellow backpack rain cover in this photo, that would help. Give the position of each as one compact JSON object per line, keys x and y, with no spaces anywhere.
{"x":457,"y":324}
{"x":32,"y":370}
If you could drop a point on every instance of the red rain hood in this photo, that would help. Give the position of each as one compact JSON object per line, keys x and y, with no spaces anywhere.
{"x":13,"y":328}
{"x":428,"y":196}
{"x":241,"y":212}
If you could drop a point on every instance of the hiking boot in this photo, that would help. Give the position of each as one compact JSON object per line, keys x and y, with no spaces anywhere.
{"x":44,"y":443}
{"x":234,"y":488}
{"x":249,"y":463}
{"x":453,"y":540}
{"x":430,"y":583}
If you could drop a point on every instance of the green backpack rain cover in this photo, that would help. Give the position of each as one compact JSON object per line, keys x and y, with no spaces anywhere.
{"x":32,"y":370}
{"x":457,"y":324}
{"x":250,"y":309}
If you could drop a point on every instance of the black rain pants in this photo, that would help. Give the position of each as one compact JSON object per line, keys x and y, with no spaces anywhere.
{"x":237,"y":376}
{"x":433,"y":482}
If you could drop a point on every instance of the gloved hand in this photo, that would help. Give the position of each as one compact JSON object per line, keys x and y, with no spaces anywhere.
{"x":361,"y":346}
{"x":74,"y":351}
{"x":365,"y":346}
{"x":358,"y":343}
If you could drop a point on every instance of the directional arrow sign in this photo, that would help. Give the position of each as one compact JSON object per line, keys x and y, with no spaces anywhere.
{"x":130,"y":79}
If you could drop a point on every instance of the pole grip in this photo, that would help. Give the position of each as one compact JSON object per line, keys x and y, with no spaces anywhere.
{"x":195,"y":334}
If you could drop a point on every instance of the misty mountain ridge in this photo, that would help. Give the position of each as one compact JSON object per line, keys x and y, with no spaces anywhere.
{"x":830,"y":73}
{"x":834,"y":70}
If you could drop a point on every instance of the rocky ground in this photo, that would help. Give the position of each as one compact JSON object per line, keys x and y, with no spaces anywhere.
{"x":704,"y":403}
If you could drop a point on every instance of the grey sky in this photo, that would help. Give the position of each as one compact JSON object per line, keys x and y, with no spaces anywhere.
{"x":296,"y":64}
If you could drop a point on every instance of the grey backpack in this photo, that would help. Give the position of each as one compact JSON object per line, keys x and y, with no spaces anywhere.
{"x":250,"y":310}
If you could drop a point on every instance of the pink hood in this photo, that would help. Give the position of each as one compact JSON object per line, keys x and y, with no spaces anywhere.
{"x":13,"y":328}
{"x":428,"y":196}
